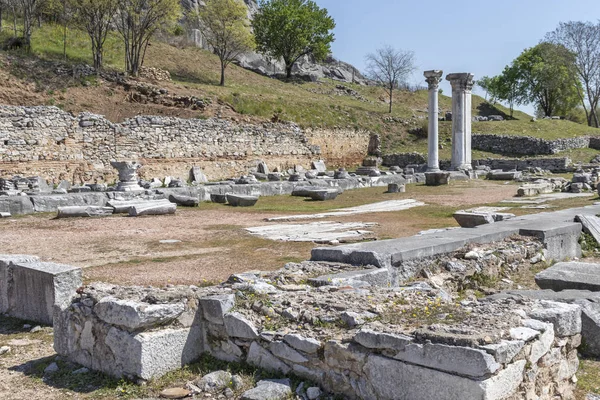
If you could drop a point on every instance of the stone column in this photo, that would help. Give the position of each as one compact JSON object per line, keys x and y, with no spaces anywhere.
{"x":128,"y":178}
{"x":433,"y":79}
{"x":462,"y":83}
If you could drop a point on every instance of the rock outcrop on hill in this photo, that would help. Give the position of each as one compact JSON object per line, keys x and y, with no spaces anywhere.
{"x":306,"y":68}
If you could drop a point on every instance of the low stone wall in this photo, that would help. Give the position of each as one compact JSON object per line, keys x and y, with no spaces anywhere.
{"x":551,"y":164}
{"x":56,"y":145}
{"x":526,"y":145}
{"x":403,"y":159}
{"x":363,"y":343}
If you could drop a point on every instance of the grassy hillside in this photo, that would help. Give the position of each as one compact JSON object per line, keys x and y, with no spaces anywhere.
{"x":31,"y":79}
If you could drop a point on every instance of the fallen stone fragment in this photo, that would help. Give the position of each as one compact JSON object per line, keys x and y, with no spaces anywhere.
{"x":241,"y":201}
{"x":4,"y":350}
{"x":471,"y":220}
{"x":437,"y":178}
{"x":396,"y":188}
{"x":214,"y":382}
{"x":313,"y":393}
{"x":124,"y":207}
{"x":307,"y":345}
{"x":150,"y":209}
{"x":236,"y":325}
{"x":504,"y":175}
{"x":5,"y":214}
{"x":52,"y":368}
{"x":570,"y":275}
{"x":218,"y":198}
{"x":175,"y":393}
{"x":324,"y":194}
{"x":267,"y":390}
{"x":83,"y":211}
{"x":184,"y":201}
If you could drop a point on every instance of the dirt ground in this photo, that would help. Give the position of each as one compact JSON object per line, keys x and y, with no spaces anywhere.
{"x":212,"y":239}
{"x":213,"y":246}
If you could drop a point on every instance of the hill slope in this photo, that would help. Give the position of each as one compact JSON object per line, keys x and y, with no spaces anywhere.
{"x":40,"y":78}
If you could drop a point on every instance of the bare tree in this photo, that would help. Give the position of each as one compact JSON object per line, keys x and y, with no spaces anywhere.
{"x":30,"y":10}
{"x":583,"y":40}
{"x":137,"y":21}
{"x":95,"y":16}
{"x":389,"y":67}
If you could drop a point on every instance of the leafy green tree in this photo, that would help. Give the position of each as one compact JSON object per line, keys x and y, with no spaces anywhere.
{"x":290,"y":29}
{"x":491,"y":86}
{"x":542,"y":75}
{"x":508,"y":86}
{"x":95,"y":16}
{"x":137,"y":21}
{"x":226,"y":29}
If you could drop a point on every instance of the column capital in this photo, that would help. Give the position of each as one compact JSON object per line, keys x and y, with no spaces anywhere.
{"x":461,"y":81}
{"x":433,"y":78}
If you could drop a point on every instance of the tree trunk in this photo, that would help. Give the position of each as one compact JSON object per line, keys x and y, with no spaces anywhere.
{"x":288,"y":70}
{"x":222,"y":74}
{"x":391,"y":98}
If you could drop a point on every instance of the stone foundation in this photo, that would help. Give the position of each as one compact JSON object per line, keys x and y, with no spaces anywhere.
{"x":362,"y":341}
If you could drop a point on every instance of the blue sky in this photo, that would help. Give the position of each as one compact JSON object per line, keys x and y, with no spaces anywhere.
{"x":474,"y":36}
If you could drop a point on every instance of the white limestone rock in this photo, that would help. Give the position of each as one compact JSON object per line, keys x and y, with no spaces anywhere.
{"x":133,"y":315}
{"x":236,"y":325}
{"x":215,"y":307}
{"x":566,"y":318}
{"x":307,"y":345}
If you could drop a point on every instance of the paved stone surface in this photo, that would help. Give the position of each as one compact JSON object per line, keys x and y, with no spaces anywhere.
{"x":313,"y":232}
{"x":384,"y":206}
{"x":570,"y":275}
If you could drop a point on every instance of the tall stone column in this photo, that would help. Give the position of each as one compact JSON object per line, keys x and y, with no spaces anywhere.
{"x":462,"y":83}
{"x":433,"y":79}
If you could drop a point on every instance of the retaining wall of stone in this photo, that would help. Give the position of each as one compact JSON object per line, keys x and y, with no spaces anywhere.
{"x":403,"y":159}
{"x":54,"y":144}
{"x":526,"y":145}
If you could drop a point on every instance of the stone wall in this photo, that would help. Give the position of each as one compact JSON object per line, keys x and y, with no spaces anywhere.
{"x":340,"y":147}
{"x":403,"y":159}
{"x":526,"y":145}
{"x":57,"y":145}
{"x":367,"y":349}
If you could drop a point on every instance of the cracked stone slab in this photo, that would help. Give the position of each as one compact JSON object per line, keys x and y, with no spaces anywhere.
{"x":313,"y":232}
{"x":383,"y":206}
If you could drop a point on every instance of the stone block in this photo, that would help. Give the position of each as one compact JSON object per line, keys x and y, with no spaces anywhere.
{"x":17,"y":205}
{"x":504,"y":176}
{"x":464,"y":361}
{"x":319,"y":166}
{"x":236,"y":325}
{"x":566,"y":318}
{"x":139,"y":210}
{"x":263,"y":358}
{"x":471,"y":220}
{"x":51,"y":202}
{"x":590,"y":329}
{"x":241,"y":201}
{"x":306,"y":345}
{"x":184,"y":201}
{"x":215,"y":307}
{"x":83,"y":211}
{"x":380,"y":340}
{"x":218,"y":198}
{"x":388,"y":377}
{"x":534,"y":189}
{"x":570,"y":275}
{"x":6,"y":275}
{"x":324,"y":194}
{"x":34,"y":288}
{"x":437,"y":178}
{"x":133,"y":315}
